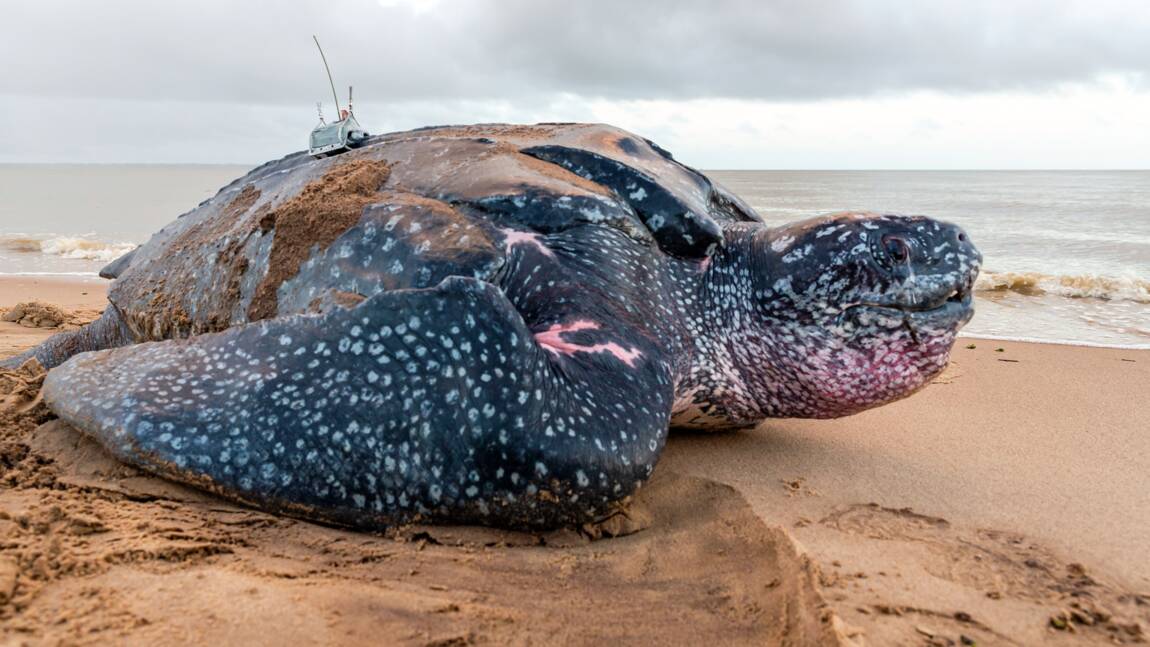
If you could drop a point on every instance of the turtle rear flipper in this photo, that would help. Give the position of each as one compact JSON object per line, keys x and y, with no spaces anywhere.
{"x":416,"y":404}
{"x":109,"y":331}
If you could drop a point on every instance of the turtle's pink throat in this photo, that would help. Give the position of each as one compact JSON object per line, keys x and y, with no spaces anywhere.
{"x":819,"y":382}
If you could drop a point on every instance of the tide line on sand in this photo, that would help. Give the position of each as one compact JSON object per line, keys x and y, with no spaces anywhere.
{"x":1057,"y":342}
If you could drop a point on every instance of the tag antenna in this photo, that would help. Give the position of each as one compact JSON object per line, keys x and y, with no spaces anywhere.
{"x":328,"y":69}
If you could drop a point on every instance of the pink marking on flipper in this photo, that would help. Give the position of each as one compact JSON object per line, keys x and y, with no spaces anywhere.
{"x":551,"y":340}
{"x":513,"y":237}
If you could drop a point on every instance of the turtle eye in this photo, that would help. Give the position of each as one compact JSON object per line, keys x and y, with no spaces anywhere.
{"x":896,"y":248}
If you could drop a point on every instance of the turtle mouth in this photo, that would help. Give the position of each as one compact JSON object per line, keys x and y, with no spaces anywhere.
{"x":930,"y":317}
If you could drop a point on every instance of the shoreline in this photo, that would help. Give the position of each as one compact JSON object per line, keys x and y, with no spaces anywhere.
{"x":986,"y":505}
{"x":1056,"y":342}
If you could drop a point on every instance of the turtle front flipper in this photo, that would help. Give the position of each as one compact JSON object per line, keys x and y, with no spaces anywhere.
{"x":436,"y":404}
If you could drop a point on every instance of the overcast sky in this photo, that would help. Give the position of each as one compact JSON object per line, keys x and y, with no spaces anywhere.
{"x":736,"y":84}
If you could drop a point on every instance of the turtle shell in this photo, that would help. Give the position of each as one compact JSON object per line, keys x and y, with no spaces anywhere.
{"x":299,"y":234}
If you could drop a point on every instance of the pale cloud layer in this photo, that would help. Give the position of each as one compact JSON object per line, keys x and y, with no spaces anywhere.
{"x":740,"y":84}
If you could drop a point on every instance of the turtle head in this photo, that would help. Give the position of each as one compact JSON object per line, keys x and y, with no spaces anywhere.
{"x":853,"y":310}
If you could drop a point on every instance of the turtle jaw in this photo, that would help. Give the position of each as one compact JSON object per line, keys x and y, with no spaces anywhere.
{"x":934,"y":318}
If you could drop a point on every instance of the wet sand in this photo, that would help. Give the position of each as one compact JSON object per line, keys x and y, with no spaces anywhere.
{"x":83,"y":296}
{"x":1006,"y":503}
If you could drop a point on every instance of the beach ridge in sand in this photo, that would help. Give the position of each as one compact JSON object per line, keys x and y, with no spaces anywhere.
{"x":1005,"y":503}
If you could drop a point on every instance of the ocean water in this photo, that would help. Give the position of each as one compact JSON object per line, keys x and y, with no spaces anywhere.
{"x":1067,"y":253}
{"x":73,"y":219}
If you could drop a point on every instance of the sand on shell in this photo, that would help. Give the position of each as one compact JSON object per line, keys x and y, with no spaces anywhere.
{"x":1003,"y":505}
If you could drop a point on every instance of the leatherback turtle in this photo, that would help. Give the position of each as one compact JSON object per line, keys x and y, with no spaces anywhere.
{"x":491,"y":324}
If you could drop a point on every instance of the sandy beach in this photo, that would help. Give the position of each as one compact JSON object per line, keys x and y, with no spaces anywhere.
{"x":82,"y":296}
{"x":1005,"y":504}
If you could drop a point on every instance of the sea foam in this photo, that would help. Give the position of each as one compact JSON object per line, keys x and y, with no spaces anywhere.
{"x":74,"y":247}
{"x":1126,"y":288}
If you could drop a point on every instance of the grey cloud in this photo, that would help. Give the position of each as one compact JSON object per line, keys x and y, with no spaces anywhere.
{"x":260,"y":51}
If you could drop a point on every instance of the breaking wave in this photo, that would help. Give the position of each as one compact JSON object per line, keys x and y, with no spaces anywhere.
{"x":75,"y":247}
{"x":1073,"y":286}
